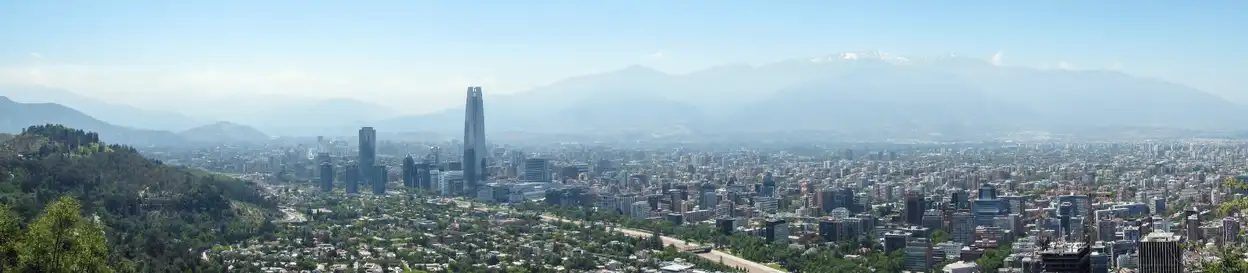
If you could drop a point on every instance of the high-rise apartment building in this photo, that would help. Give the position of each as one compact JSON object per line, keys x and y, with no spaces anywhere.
{"x":1230,"y":230}
{"x":962,"y":227}
{"x":474,"y":140}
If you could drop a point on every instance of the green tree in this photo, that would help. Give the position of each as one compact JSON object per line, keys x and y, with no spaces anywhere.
{"x":61,"y":240}
{"x":10,"y":231}
{"x":1229,"y":260}
{"x":940,"y":236}
{"x":993,"y":259}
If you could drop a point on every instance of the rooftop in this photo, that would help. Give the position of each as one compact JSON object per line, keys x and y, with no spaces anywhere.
{"x":1161,"y":237}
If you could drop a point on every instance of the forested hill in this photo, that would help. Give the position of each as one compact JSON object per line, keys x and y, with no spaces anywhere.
{"x":156,"y":218}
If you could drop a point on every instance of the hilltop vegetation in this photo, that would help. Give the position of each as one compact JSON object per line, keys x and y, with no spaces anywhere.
{"x":154,"y":217}
{"x":60,"y":240}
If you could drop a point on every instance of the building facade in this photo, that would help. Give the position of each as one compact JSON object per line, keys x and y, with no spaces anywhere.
{"x":474,"y":140}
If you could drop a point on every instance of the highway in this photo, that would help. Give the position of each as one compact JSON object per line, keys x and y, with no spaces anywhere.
{"x":714,"y":255}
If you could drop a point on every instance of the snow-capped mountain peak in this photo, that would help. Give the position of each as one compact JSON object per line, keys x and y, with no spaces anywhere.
{"x":863,"y":55}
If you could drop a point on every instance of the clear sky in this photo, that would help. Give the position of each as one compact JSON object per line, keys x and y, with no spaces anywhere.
{"x":419,"y":55}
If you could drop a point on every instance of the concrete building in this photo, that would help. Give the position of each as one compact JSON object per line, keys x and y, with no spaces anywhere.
{"x":1160,"y":253}
{"x":962,"y":228}
{"x":1230,"y":230}
{"x":961,"y":267}
{"x":537,"y":170}
{"x":776,"y":231}
{"x":640,"y":210}
{"x":766,"y":204}
{"x":918,"y":257}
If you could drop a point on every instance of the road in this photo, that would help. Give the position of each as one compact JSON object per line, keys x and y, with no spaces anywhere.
{"x":291,"y":215}
{"x":714,"y":255}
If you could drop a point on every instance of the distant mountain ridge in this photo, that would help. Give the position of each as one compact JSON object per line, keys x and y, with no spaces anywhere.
{"x":272,"y":114}
{"x":15,"y":116}
{"x":118,"y":114}
{"x":224,"y":132}
{"x":849,"y":92}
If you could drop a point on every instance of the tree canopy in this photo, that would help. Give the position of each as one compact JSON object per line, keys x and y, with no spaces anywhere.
{"x":150,"y":214}
{"x":60,"y":240}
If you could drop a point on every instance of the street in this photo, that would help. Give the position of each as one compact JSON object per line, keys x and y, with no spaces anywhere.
{"x":714,"y":255}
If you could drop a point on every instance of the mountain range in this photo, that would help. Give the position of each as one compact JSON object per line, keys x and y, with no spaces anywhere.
{"x":111,"y":112}
{"x":276,"y":114}
{"x":846,"y":92}
{"x":16,"y":116}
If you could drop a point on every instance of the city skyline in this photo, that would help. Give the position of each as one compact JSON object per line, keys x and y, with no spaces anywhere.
{"x":688,"y":136}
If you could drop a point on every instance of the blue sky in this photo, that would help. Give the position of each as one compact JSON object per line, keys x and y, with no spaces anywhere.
{"x":423,"y":52}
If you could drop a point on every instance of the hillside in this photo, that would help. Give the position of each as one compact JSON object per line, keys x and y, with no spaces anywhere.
{"x":224,"y":132}
{"x":112,"y":113}
{"x":15,"y":116}
{"x":156,"y":218}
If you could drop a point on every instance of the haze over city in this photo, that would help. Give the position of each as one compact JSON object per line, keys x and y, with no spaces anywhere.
{"x":413,"y":57}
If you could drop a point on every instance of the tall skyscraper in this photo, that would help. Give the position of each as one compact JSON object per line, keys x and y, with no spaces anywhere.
{"x":914,"y":208}
{"x":326,"y":167}
{"x":353,"y":178}
{"x":474,"y":141}
{"x":379,"y":179}
{"x":368,"y":154}
{"x":327,"y":177}
{"x":409,"y":172}
{"x":424,"y":176}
